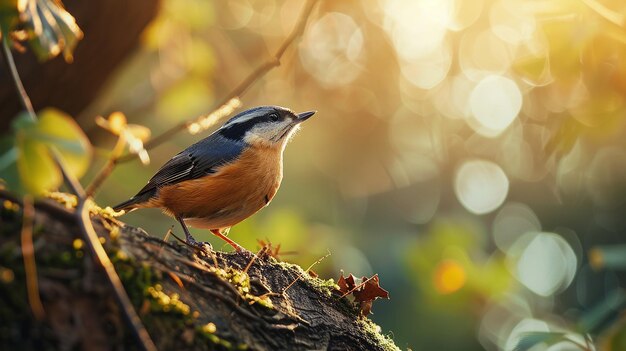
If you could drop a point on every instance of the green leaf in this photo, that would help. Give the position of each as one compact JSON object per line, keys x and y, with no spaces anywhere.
{"x":23,"y":121}
{"x":26,"y":164}
{"x":531,"y":339}
{"x":8,"y":158}
{"x":58,"y":130}
{"x":8,"y":167}
{"x":37,"y":170}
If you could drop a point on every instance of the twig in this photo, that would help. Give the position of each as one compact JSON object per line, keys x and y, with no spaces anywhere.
{"x":98,"y":252}
{"x":108,"y":167}
{"x":258,"y":254}
{"x":195,"y":248}
{"x":318,"y":261}
{"x":240,"y":89}
{"x":68,"y":178}
{"x":176,"y":279}
{"x":19,"y":87}
{"x":357,"y":287}
{"x":28,"y":253}
{"x":167,"y":236}
{"x":307,"y":270}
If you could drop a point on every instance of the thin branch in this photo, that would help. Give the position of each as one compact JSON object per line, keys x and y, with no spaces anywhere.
{"x":72,"y":183}
{"x":240,"y":89}
{"x":98,"y":252}
{"x":254,"y":257}
{"x":19,"y":87}
{"x":357,"y":287}
{"x":167,"y":236}
{"x":307,"y":270}
{"x":108,"y":167}
{"x":28,"y":254}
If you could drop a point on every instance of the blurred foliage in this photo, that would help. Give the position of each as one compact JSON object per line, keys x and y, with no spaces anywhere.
{"x":133,"y":135}
{"x":26,"y":163}
{"x":47,"y":26}
{"x":530,"y":340}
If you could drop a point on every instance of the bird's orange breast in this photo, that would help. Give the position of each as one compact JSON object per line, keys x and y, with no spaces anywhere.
{"x":228,"y":196}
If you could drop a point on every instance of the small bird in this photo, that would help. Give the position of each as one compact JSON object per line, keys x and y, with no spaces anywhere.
{"x":226,"y":177}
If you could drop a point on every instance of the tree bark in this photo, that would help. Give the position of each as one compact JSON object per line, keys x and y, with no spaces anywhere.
{"x":186,"y":298}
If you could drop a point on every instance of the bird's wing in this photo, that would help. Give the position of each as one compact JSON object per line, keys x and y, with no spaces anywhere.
{"x":198,"y":160}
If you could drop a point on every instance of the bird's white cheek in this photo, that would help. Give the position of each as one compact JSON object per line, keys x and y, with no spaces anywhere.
{"x":258,"y":140}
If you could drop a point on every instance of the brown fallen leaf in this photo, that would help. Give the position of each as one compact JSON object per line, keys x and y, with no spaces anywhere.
{"x":370,"y":290}
{"x":364,"y":293}
{"x":346,"y":284}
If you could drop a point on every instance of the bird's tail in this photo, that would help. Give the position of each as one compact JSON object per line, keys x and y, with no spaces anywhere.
{"x":127,"y":206}
{"x":133,"y":203}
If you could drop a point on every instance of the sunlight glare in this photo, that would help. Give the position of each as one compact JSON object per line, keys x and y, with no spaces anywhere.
{"x":416,"y":27}
{"x":512,"y":221}
{"x":331,"y":50}
{"x":481,"y":53}
{"x":465,"y":13}
{"x":481,"y":186}
{"x":511,"y":21}
{"x":495,"y":102}
{"x":429,"y":70}
{"x":546,"y":263}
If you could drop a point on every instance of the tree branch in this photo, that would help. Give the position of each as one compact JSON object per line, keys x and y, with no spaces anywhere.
{"x":189,"y":300}
{"x":98,"y":252}
{"x":19,"y":87}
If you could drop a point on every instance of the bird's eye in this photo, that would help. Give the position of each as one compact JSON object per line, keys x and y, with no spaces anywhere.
{"x":274,"y":117}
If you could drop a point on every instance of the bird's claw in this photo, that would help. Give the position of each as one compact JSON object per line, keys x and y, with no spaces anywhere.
{"x":202,"y":245}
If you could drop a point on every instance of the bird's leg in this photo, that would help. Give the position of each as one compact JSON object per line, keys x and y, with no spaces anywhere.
{"x":188,"y":238}
{"x":236,"y":246}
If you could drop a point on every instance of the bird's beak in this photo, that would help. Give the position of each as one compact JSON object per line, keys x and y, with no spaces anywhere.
{"x":304,"y":116}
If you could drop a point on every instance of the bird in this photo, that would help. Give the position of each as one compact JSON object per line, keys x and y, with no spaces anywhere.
{"x":226,"y":177}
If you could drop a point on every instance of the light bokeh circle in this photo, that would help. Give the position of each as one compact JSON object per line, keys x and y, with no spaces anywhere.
{"x":481,"y":186}
{"x":545,"y":263}
{"x":495,"y":102}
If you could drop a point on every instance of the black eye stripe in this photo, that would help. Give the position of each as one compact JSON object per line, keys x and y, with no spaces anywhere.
{"x":237,"y":131}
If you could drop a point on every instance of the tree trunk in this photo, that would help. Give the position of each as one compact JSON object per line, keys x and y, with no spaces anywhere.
{"x":187,"y":299}
{"x":112,"y":31}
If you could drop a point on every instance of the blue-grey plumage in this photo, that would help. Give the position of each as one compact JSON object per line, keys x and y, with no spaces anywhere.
{"x":226,"y":177}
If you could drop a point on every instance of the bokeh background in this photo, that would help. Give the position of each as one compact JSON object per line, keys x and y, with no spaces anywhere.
{"x":470,"y":152}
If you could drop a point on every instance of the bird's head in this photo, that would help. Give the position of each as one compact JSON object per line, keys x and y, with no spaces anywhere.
{"x":269,"y":126}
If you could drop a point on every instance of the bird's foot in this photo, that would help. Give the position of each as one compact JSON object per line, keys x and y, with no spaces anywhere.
{"x":235,"y":246}
{"x":202,"y":245}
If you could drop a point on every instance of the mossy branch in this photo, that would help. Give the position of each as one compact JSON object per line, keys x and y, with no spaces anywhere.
{"x":187,"y":299}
